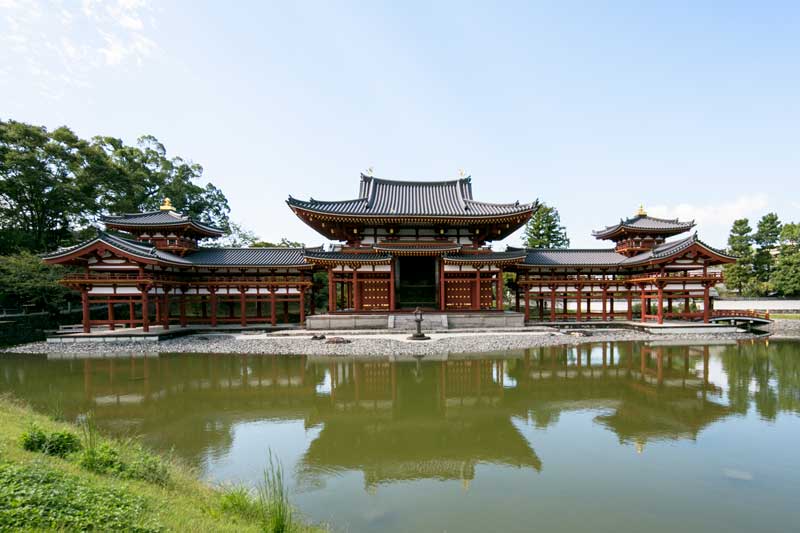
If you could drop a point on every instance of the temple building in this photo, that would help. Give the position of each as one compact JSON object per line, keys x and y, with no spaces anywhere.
{"x":399,"y":245}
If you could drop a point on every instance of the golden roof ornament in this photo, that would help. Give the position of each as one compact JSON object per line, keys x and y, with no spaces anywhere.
{"x":167,"y":205}
{"x":641,"y":212}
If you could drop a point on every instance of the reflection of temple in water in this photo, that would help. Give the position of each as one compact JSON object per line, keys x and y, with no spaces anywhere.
{"x":390,"y":420}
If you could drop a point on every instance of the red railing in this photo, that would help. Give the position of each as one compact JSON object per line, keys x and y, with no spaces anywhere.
{"x":751,"y":313}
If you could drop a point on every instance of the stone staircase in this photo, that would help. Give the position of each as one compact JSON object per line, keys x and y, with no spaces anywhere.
{"x":430,"y":322}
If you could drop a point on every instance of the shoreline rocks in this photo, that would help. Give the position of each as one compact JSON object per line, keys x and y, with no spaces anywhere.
{"x":378,"y":345}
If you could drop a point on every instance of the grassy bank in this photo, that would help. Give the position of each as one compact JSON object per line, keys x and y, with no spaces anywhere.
{"x":59,"y":476}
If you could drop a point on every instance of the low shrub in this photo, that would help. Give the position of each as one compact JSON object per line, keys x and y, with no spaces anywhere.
{"x":101,"y":458}
{"x":58,"y":443}
{"x":146,"y":466}
{"x":36,"y":497}
{"x":239,"y":501}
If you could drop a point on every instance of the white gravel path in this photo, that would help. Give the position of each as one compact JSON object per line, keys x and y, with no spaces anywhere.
{"x":364,"y":344}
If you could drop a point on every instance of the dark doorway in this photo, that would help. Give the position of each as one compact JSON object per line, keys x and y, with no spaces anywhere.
{"x":417,"y":282}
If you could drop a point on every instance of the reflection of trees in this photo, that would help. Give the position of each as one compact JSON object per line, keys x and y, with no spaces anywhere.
{"x":766,"y":375}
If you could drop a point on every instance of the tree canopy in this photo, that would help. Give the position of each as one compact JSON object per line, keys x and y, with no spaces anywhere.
{"x":53,"y":185}
{"x":544,"y":229}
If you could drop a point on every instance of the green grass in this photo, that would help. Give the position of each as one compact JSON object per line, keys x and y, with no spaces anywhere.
{"x":118,"y":485}
{"x":788,"y":316}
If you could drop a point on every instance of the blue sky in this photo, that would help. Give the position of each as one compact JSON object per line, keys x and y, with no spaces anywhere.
{"x":690,"y":108}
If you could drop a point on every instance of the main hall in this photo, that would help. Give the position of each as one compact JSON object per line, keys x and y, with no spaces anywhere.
{"x":395,"y":247}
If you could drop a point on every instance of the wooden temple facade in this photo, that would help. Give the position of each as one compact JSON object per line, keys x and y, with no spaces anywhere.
{"x":399,"y":245}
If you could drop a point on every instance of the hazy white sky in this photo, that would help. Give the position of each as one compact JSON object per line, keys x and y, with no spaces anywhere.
{"x":690,"y":108}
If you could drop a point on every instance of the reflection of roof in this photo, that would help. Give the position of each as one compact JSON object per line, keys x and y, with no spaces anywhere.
{"x":644,"y":223}
{"x":381,"y":197}
{"x":160,"y":218}
{"x":417,"y":447}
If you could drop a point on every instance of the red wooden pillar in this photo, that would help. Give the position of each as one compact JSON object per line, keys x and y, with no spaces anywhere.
{"x":213,"y":302}
{"x":145,"y":309}
{"x":540,"y":304}
{"x":356,"y":292}
{"x":578,"y":303}
{"x":442,"y":287}
{"x":553,"y":303}
{"x":706,"y":305}
{"x":643,"y":304}
{"x":165,"y":310}
{"x":158,"y":307}
{"x":131,"y":313}
{"x":660,"y":310}
{"x":87,"y":325}
{"x":605,"y":299}
{"x":391,"y":286}
{"x":611,"y":305}
{"x":111,"y":324}
{"x":629,"y":301}
{"x":302,"y":305}
{"x":476,"y":291}
{"x":243,"y":306}
{"x":331,"y":292}
{"x":272,"y":318}
{"x":500,"y":289}
{"x":527,"y":303}
{"x":182,"y":308}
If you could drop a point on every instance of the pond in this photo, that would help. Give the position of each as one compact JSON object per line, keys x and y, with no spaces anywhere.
{"x":619,"y":436}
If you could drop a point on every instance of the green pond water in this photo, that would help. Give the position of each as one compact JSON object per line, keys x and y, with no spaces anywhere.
{"x":606,"y":437}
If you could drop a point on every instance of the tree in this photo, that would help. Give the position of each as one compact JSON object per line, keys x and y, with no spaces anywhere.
{"x":283,"y":243}
{"x":766,"y":239}
{"x":785,"y":276}
{"x":739,"y":274}
{"x":26,"y":280}
{"x":45,"y":186}
{"x":237,"y":236}
{"x":141,"y":176}
{"x":544,"y":229}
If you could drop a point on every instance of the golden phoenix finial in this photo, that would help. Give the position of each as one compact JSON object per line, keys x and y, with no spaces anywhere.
{"x":641,"y":212}
{"x":167,"y":205}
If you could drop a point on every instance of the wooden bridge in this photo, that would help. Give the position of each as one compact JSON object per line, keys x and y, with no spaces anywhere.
{"x":734,"y":316}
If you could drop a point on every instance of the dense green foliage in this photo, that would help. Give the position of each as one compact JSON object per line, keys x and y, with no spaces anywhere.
{"x":34,"y":496}
{"x":26,"y":281}
{"x":768,"y":259}
{"x":127,"y":488}
{"x":54,"y":185}
{"x":57,"y":443}
{"x":544,"y":229}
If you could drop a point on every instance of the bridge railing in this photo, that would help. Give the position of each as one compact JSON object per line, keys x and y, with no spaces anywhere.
{"x":751,"y":313}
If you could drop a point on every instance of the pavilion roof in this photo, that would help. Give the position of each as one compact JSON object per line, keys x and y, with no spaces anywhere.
{"x":129,"y":246}
{"x":160,"y":218}
{"x":393,"y":198}
{"x":260,"y":257}
{"x":643,"y":223}
{"x":336,"y":257}
{"x":669,"y":248}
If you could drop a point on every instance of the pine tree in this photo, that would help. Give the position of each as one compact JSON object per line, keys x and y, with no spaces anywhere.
{"x":766,"y":240}
{"x":544,"y":229}
{"x":785,"y":276}
{"x":740,"y":244}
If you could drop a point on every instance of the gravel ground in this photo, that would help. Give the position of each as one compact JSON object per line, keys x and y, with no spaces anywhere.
{"x":364,"y":345}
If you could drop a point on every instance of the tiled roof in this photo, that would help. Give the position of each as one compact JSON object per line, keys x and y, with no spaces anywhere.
{"x":160,"y":218}
{"x":346,"y":257}
{"x":130,"y":246}
{"x":661,"y":226}
{"x":418,"y":247}
{"x":265,"y":257}
{"x":509,"y":255}
{"x":381,"y":197}
{"x":669,"y":248}
{"x":573,"y":257}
